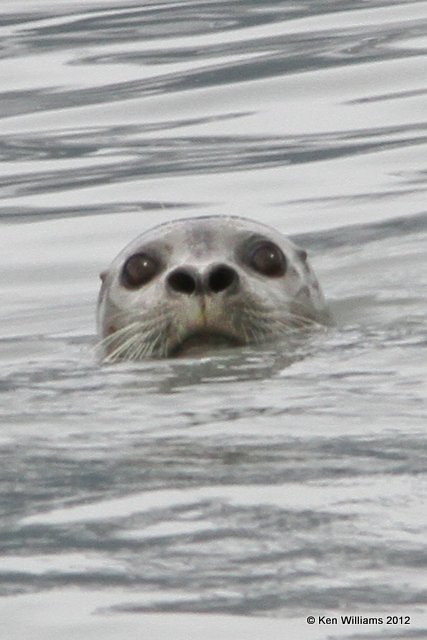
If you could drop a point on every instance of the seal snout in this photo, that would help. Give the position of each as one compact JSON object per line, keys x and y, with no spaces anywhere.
{"x":217,"y":279}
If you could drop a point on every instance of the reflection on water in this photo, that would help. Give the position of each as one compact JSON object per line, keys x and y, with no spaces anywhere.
{"x":272,"y":482}
{"x":181,"y":155}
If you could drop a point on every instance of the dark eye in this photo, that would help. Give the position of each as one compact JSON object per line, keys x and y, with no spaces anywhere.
{"x":268,"y":260}
{"x":138,"y":270}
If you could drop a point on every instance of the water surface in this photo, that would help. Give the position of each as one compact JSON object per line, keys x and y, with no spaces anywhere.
{"x":236,"y":494}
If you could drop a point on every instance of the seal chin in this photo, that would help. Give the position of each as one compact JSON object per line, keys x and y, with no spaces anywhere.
{"x":200,"y":341}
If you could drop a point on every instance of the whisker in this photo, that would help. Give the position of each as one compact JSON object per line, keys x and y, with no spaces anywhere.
{"x":142,"y":337}
{"x":152,"y":333}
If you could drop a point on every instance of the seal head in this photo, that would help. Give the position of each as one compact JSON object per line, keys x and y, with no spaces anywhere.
{"x":205,"y":282}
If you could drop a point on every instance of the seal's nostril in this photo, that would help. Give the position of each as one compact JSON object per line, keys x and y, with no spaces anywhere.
{"x":221,"y":278}
{"x":187,"y":280}
{"x":182,"y":281}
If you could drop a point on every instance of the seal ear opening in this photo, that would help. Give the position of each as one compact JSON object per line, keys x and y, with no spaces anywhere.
{"x":302,"y":254}
{"x":103,"y":275}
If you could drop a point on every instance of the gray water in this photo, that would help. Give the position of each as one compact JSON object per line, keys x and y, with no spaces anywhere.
{"x":233,"y":495}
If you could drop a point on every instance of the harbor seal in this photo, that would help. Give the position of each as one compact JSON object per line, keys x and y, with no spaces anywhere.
{"x":202,"y":282}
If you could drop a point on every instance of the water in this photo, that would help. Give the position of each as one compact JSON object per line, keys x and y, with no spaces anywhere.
{"x":234,"y":495}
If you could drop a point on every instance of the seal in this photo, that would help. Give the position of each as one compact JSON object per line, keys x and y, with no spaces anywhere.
{"x":202,"y":282}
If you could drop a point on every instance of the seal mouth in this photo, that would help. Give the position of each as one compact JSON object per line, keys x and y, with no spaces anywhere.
{"x":199,"y":342}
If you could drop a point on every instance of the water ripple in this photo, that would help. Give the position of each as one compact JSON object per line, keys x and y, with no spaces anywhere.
{"x":258,"y":58}
{"x":139,"y":158}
